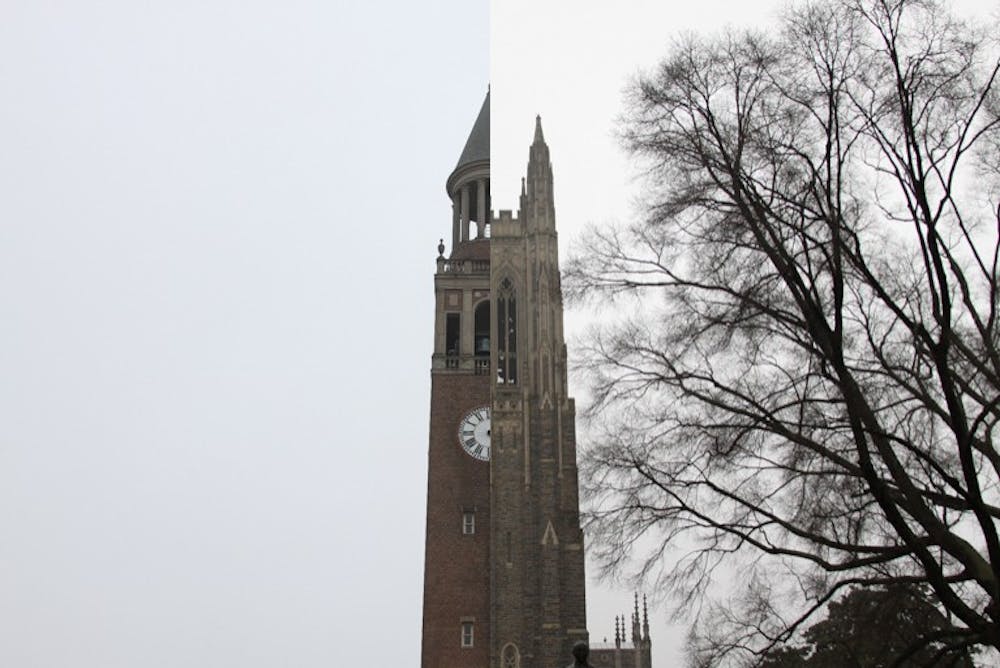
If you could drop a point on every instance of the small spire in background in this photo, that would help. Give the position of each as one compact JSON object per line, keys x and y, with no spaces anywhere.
{"x":635,"y":621}
{"x":645,"y":619}
{"x":523,"y":187}
{"x":618,"y":637}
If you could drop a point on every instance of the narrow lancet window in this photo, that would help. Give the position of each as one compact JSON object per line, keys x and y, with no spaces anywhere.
{"x":506,"y":334}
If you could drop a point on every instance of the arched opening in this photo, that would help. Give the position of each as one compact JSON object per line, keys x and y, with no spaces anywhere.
{"x":452,"y":338}
{"x":510,"y":657}
{"x":506,"y":333}
{"x":472,"y":210}
{"x":481,"y":337}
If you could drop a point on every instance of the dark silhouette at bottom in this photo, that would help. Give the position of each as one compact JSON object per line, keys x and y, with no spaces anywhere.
{"x":580,"y":653}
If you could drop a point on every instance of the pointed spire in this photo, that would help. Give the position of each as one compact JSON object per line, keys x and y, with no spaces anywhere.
{"x":537,"y":200}
{"x":635,"y":621}
{"x":618,"y":635}
{"x":477,"y":147}
{"x":645,"y":619}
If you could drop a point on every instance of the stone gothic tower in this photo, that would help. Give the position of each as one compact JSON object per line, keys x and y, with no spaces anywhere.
{"x":538,"y":598}
{"x":504,"y":566}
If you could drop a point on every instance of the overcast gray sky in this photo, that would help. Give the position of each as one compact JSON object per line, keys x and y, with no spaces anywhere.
{"x":218,"y":225}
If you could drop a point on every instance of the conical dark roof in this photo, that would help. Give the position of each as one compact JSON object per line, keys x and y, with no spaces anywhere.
{"x":477,"y":147}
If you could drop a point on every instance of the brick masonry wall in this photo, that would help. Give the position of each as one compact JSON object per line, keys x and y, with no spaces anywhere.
{"x":456,"y":566}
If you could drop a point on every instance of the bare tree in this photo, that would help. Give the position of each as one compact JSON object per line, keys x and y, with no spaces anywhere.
{"x":808,"y":381}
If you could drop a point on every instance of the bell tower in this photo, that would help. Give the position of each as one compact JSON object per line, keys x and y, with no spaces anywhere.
{"x":456,"y":618}
{"x":504,"y":562}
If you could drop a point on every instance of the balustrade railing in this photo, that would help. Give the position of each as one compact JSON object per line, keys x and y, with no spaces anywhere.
{"x":463,"y":266}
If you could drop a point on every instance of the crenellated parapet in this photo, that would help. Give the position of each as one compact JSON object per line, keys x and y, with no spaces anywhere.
{"x":505,"y":224}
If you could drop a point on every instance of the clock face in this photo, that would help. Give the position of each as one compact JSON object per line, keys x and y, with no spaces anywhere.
{"x":474,"y":433}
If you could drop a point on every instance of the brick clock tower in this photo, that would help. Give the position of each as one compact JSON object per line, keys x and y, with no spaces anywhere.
{"x":504,"y":562}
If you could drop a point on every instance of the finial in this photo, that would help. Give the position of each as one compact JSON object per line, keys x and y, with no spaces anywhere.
{"x":618,"y":634}
{"x":539,"y":138}
{"x":522,"y":187}
{"x":440,"y":247}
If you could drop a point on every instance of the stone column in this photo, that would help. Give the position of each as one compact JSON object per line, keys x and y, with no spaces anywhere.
{"x":481,"y":209}
{"x":456,"y":214}
{"x":465,"y":214}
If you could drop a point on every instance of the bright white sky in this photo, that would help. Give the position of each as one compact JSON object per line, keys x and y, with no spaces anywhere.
{"x":218,"y":223}
{"x":572,"y":66}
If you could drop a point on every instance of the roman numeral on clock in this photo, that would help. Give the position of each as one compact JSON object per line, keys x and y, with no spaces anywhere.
{"x":474,"y":433}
